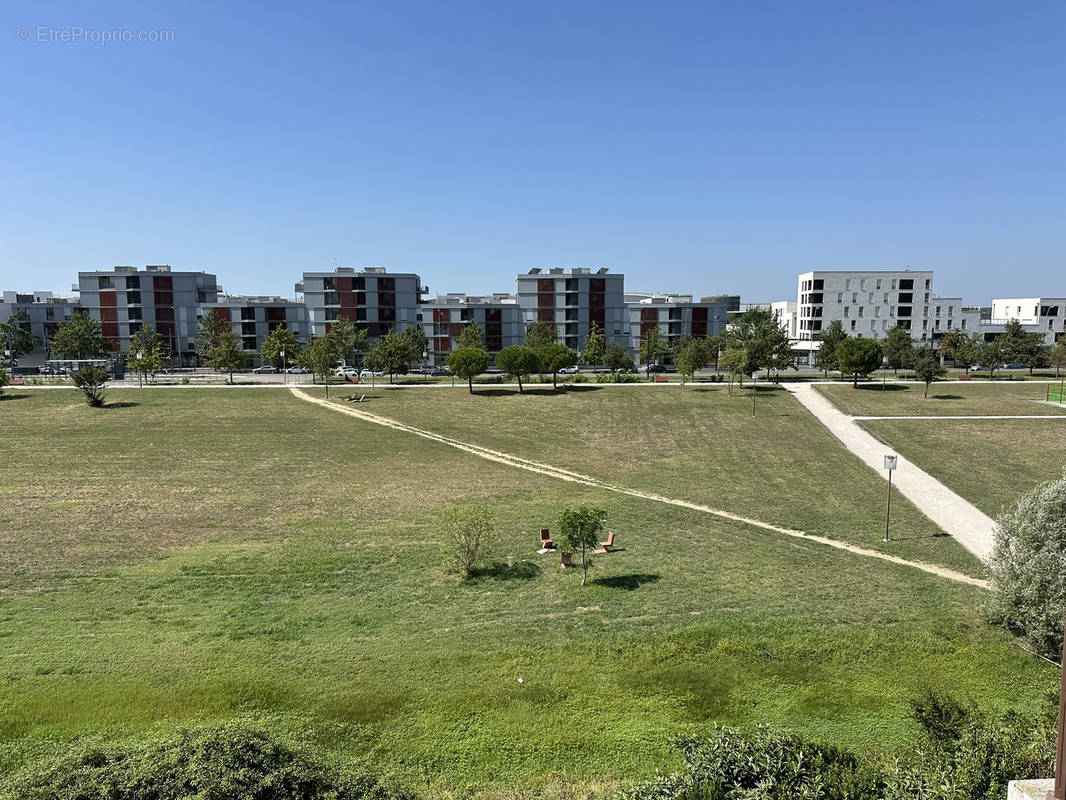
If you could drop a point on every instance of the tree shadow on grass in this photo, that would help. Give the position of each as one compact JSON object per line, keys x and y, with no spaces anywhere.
{"x":501,"y":571}
{"x":937,"y":535}
{"x":882,"y":387}
{"x":947,"y":397}
{"x":628,"y":583}
{"x":6,"y":396}
{"x":119,"y":405}
{"x":579,"y":387}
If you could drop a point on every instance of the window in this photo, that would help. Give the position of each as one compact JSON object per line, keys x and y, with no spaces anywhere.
{"x":854,"y":297}
{"x":964,"y":324}
{"x":331,"y":314}
{"x":906,"y":283}
{"x":134,"y":314}
{"x":133,"y":298}
{"x":878,"y":286}
{"x":847,"y":283}
{"x":951,"y":310}
{"x":840,"y":297}
{"x":877,"y":311}
{"x":949,"y":323}
{"x":873,"y":324}
{"x":327,"y":285}
{"x":927,"y":282}
{"x":853,"y":324}
{"x":885,"y":299}
{"x":926,"y":297}
{"x":135,"y":328}
{"x":248,"y":329}
{"x":862,"y":284}
{"x":248,"y":313}
{"x":846,"y":310}
{"x":893,"y":284}
{"x":104,"y":283}
{"x":860,"y":311}
{"x":332,"y":299}
{"x":870,"y":298}
{"x":938,"y":311}
{"x":936,"y":326}
{"x":133,"y":282}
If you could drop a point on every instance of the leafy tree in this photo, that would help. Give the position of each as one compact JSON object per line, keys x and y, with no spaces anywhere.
{"x":393,"y":354}
{"x":92,"y":380}
{"x":351,"y":341}
{"x":1014,"y":343}
{"x":735,"y":362}
{"x":467,"y":527}
{"x":859,"y":358}
{"x":581,"y":527}
{"x":320,"y":358}
{"x":990,"y":354}
{"x":518,"y":361}
{"x":14,"y":337}
{"x":826,"y":357}
{"x":210,"y":329}
{"x":1027,"y":570}
{"x":690,"y":356}
{"x":5,"y":379}
{"x":226,"y":355}
{"x":653,"y":347}
{"x":554,"y":357}
{"x":960,"y":348}
{"x":927,"y":367}
{"x":898,"y":348}
{"x":471,"y":336}
{"x":280,"y":340}
{"x":468,"y":363}
{"x":595,"y":345}
{"x":540,"y":334}
{"x":415,"y":344}
{"x":79,"y":337}
{"x":1057,"y":356}
{"x":147,"y":351}
{"x":615,"y":358}
{"x":764,"y":339}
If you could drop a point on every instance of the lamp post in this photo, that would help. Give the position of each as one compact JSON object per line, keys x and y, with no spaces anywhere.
{"x":884,"y":371}
{"x":140,"y":373}
{"x":284,"y":368}
{"x":890,"y":464}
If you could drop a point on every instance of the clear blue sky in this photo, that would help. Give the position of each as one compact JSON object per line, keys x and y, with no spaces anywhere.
{"x":698,"y":147}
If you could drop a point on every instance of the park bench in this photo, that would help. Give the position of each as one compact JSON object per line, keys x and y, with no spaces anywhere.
{"x":607,"y":545}
{"x":546,"y":542}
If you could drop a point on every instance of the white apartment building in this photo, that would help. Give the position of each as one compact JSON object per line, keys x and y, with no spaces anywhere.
{"x":867,"y":302}
{"x":1044,"y":315}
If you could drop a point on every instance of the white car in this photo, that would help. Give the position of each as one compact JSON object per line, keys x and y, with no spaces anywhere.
{"x":346,"y":372}
{"x":296,"y":371}
{"x":568,"y":371}
{"x":366,"y":373}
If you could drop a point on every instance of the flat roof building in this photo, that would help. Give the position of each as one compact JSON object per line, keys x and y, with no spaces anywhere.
{"x":675,"y":315}
{"x":444,"y":318}
{"x":867,"y":302}
{"x":255,"y":317}
{"x":375,"y":299}
{"x":571,"y":300}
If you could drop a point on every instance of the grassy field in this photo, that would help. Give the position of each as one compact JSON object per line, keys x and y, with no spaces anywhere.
{"x":991,"y":463}
{"x":188,"y":554}
{"x":945,"y":399}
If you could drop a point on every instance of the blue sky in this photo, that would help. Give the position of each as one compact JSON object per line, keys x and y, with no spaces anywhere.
{"x":697,"y":147}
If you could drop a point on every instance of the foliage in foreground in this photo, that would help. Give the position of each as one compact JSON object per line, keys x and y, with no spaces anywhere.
{"x":92,"y":380}
{"x":467,"y":528}
{"x":1028,"y":568}
{"x":226,"y":761}
{"x":961,"y":755}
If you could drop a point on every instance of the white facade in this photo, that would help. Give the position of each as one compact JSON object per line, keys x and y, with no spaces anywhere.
{"x":1043,"y":315}
{"x":867,"y":302}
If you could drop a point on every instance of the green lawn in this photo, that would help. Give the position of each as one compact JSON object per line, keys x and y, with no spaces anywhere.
{"x":946,"y":398}
{"x":991,"y":463}
{"x":697,"y":444}
{"x":206,"y":553}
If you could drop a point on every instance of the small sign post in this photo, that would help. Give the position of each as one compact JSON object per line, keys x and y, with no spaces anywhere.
{"x":890,"y":464}
{"x":1059,"y":790}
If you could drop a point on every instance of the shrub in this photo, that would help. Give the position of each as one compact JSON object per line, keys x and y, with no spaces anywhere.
{"x":941,"y":716}
{"x":227,"y":761}
{"x":1028,"y":568}
{"x":467,"y":526}
{"x":579,"y":378}
{"x":91,"y":380}
{"x":5,"y":379}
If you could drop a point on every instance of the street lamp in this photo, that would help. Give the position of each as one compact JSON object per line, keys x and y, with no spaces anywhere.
{"x":884,"y":371}
{"x":284,"y":370}
{"x":140,"y":373}
{"x":890,"y":464}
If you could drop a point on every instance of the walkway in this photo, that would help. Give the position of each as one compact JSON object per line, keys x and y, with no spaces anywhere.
{"x":957,"y":517}
{"x":575,"y":477}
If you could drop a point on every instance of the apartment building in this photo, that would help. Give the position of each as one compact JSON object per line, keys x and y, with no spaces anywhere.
{"x":949,"y":313}
{"x":572,"y":300}
{"x":43,"y":312}
{"x":125,"y":298}
{"x":1043,"y":315}
{"x":373,"y":298}
{"x":444,"y":317}
{"x":255,"y":317}
{"x":867,"y":302}
{"x":674,"y":315}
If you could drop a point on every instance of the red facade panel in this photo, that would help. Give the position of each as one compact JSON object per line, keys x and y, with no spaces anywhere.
{"x":166,"y":314}
{"x":219,"y":311}
{"x":546,"y":315}
{"x":455,"y":329}
{"x":649,"y":315}
{"x":493,"y":315}
{"x":275,"y":314}
{"x":163,"y":283}
{"x":347,"y":299}
{"x":164,"y":298}
{"x":110,"y":331}
{"x":546,"y":300}
{"x":442,"y":344}
{"x":647,"y":326}
{"x":343,"y":284}
{"x":597,"y":285}
{"x":108,"y":314}
{"x":598,"y":315}
{"x":546,"y":286}
{"x":107,"y":299}
{"x":441,"y":315}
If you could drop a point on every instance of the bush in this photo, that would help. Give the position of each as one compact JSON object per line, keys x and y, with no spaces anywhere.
{"x":467,"y":527}
{"x":5,"y":379}
{"x":941,"y":716}
{"x":1028,"y":568}
{"x":227,"y":761}
{"x":617,"y":377}
{"x":579,"y":378}
{"x":92,"y":380}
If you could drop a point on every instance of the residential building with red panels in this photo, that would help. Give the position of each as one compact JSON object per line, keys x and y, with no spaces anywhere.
{"x":444,"y":317}
{"x":674,"y":315}
{"x":571,"y":300}
{"x":124,"y":298}
{"x":255,"y":317}
{"x":375,"y":299}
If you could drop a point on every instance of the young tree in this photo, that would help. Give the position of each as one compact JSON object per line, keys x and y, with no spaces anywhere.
{"x":226,"y":355}
{"x":554,"y":357}
{"x":615,"y":358}
{"x":735,"y":362}
{"x":393,"y":354}
{"x":825,"y":358}
{"x":471,"y":336}
{"x":1026,"y":569}
{"x":581,"y":528}
{"x":927,"y":367}
{"x":468,"y":363}
{"x":518,"y":361}
{"x":210,"y":329}
{"x":859,"y":358}
{"x":690,"y":357}
{"x":595,"y":348}
{"x":898,"y":348}
{"x":467,"y":527}
{"x":415,"y":344}
{"x":540,"y":334}
{"x":990,"y":354}
{"x":320,"y":359}
{"x":5,"y":379}
{"x":15,"y":338}
{"x":960,"y":348}
{"x":351,"y":341}
{"x":278,"y":341}
{"x":653,"y":347}
{"x":763,"y":338}
{"x":147,"y":351}
{"x":1057,"y":356}
{"x":92,"y":380}
{"x":79,"y":337}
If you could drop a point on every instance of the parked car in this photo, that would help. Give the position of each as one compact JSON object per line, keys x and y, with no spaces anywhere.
{"x":1014,"y":365}
{"x":656,"y":368}
{"x":568,"y":371}
{"x":366,"y":373}
{"x":296,"y":371}
{"x":346,"y":372}
{"x":266,"y":369}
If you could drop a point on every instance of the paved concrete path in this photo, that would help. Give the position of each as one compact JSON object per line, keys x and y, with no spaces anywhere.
{"x":972,"y":416}
{"x":957,"y":517}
